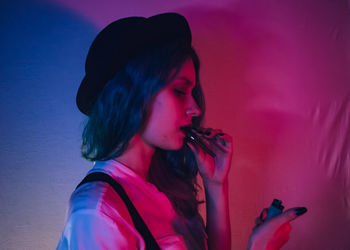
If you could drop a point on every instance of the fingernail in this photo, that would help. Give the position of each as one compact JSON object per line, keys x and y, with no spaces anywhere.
{"x":300,"y":210}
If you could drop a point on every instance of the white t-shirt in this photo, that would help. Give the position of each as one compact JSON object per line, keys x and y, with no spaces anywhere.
{"x":99,"y":219}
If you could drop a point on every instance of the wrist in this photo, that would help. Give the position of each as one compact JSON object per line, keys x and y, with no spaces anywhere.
{"x":215,"y":189}
{"x":214,"y":184}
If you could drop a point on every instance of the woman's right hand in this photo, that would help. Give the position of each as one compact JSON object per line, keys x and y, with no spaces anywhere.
{"x":273,"y":233}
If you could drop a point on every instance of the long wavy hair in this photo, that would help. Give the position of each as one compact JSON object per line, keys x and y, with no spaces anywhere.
{"x":121,"y":110}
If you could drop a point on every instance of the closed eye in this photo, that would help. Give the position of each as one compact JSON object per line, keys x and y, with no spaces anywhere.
{"x":180,"y":92}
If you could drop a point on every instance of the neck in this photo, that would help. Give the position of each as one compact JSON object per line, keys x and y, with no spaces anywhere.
{"x":137,"y":156}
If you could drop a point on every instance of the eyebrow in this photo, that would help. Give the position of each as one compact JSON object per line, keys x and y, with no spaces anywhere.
{"x":187,"y":81}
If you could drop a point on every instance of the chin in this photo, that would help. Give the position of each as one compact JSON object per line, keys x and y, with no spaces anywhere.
{"x":174,"y":146}
{"x":178,"y":147}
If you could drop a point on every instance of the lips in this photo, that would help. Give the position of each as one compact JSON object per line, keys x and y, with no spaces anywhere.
{"x":184,"y":128}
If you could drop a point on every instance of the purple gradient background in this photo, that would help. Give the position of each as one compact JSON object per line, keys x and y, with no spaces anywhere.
{"x":276,"y":77}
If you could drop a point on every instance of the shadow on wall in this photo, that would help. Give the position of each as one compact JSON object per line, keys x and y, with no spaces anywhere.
{"x":43,"y":49}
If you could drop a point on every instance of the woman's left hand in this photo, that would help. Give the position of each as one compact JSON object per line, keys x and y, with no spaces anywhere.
{"x":214,"y":170}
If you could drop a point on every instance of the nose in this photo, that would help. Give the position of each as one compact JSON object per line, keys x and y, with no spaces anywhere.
{"x":193,"y":109}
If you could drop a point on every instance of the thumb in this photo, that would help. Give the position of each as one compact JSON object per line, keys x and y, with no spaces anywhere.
{"x":291,"y":214}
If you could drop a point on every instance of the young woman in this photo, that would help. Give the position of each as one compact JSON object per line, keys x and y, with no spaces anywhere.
{"x":140,"y":91}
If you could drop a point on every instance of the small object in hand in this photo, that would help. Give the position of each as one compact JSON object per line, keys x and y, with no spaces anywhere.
{"x":275,"y":209}
{"x":192,"y":137}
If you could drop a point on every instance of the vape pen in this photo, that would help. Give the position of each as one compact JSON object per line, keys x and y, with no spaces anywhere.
{"x":192,"y":137}
{"x":275,"y":209}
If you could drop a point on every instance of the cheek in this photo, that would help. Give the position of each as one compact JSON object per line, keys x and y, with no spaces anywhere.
{"x":159,"y":116}
{"x":164,"y":120}
{"x":167,"y":110}
{"x":161,"y":120}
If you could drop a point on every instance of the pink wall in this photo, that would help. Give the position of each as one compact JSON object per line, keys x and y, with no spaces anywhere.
{"x":275,"y":75}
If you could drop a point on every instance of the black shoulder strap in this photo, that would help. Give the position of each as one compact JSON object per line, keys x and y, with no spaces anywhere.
{"x":140,"y":225}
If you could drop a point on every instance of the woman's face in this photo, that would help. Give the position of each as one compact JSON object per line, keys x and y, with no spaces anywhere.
{"x":172,"y":107}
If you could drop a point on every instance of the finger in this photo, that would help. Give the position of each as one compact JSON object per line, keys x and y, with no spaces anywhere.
{"x":195,"y":149}
{"x":215,"y":133}
{"x":224,"y":142}
{"x":290,"y":214}
{"x":279,"y":239}
{"x":202,"y":136}
{"x":285,"y":228}
{"x":209,"y":133}
{"x":207,"y":140}
{"x":192,"y":147}
{"x":214,"y":137}
{"x":198,"y":152}
{"x":282,"y":233}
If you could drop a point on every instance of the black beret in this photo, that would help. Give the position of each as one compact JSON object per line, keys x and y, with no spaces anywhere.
{"x":119,"y":42}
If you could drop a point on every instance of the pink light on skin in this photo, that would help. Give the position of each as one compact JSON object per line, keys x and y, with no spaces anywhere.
{"x":172,"y":108}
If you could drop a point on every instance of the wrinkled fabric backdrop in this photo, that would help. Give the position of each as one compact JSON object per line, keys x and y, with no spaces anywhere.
{"x":275,"y":75}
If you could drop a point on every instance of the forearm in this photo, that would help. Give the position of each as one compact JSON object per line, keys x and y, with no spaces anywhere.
{"x":218,"y":219}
